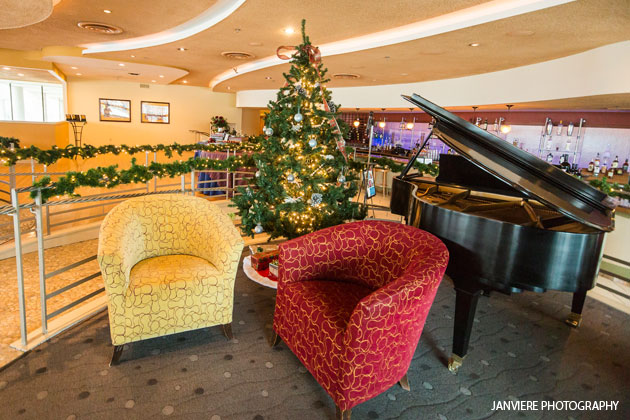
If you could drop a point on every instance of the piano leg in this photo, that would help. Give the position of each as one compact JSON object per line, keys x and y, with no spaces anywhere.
{"x":575,"y":317}
{"x":465,"y":307}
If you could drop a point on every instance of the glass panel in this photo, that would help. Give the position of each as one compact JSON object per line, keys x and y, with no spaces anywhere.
{"x":27,"y":102}
{"x":5,"y":101}
{"x":53,"y":103}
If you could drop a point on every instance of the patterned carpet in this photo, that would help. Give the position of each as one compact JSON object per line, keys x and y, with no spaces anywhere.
{"x":520,"y":350}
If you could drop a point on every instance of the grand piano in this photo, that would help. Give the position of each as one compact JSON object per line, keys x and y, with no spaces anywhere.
{"x":511,"y":221}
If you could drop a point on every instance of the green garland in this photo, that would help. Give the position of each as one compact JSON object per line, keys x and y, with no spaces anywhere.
{"x":5,"y":142}
{"x":614,"y":190}
{"x":111,"y":176}
{"x":50,"y":156}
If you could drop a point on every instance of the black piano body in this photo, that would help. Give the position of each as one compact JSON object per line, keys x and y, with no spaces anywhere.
{"x":511,"y":221}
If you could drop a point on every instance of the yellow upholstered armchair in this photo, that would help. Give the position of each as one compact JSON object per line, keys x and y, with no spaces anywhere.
{"x":168,"y":262}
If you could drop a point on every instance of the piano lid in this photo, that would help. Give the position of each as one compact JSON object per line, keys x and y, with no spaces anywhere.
{"x":526,"y":173}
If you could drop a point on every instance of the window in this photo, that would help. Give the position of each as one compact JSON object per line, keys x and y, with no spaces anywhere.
{"x":28,"y":101}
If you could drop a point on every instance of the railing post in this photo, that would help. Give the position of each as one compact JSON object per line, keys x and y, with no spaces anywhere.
{"x":40,"y":255}
{"x":183,"y":183}
{"x":154,"y":178}
{"x":146,"y":163}
{"x":17,"y":233}
{"x":47,"y":209}
{"x":192,"y":182}
{"x":227,"y":178}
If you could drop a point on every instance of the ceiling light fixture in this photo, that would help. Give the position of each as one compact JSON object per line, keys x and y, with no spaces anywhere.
{"x":161,"y":75}
{"x":107,"y":11}
{"x":182,"y":49}
{"x":474,"y":44}
{"x":382,"y":123}
{"x":79,"y":74}
{"x":268,"y":78}
{"x":133,"y":56}
{"x":289,"y":30}
{"x":74,"y":68}
{"x":356,"y":122}
{"x":185,"y":81}
{"x":121,"y":64}
{"x":152,"y":81}
{"x":506,"y":128}
{"x":20,"y":74}
{"x":6,"y":68}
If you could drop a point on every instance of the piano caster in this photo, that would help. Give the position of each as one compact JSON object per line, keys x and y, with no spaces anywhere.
{"x":574,"y":320}
{"x":454,"y":363}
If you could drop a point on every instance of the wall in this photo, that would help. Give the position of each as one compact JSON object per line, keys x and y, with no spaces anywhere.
{"x":43,"y":135}
{"x":191,"y":109}
{"x":250,"y":122}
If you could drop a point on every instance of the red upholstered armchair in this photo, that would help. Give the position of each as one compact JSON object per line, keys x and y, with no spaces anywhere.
{"x":352,"y":301}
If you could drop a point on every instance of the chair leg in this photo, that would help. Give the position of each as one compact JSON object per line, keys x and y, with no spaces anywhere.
{"x":275,"y":340}
{"x":342,"y":414}
{"x":404,"y":383}
{"x":116,"y":355}
{"x":227,"y":331}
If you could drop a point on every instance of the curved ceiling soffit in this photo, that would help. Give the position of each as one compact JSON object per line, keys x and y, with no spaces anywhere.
{"x":213,"y":15}
{"x":472,"y":16}
{"x":21,"y":13}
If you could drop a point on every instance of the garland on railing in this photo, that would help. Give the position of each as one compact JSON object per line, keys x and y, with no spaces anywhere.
{"x":111,"y":176}
{"x":5,"y":142}
{"x":47,"y":157}
{"x":612,"y":189}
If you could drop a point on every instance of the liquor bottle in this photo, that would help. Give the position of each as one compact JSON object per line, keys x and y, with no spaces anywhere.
{"x":485,"y":124}
{"x":611,"y":172}
{"x":550,"y":157}
{"x":496,"y":125}
{"x":615,"y":163}
{"x":549,"y":127}
{"x":625,"y":166}
{"x":559,"y":128}
{"x":567,"y":145}
{"x":570,"y":129}
{"x":549,"y":143}
{"x":565,"y":165}
{"x":591,"y":166}
{"x":619,"y":171}
{"x":597,"y":162}
{"x":596,"y":170}
{"x":603,"y":169}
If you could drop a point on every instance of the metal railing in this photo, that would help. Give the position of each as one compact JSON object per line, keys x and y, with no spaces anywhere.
{"x":44,"y":217}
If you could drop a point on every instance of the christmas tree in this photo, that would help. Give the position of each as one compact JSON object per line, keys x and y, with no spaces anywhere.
{"x":303,"y":182}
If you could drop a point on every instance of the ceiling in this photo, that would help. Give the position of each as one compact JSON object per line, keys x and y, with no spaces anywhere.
{"x":256,"y":27}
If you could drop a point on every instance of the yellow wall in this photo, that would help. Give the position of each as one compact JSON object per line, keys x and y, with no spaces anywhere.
{"x":250,"y":122}
{"x":42,"y":135}
{"x":191,"y":109}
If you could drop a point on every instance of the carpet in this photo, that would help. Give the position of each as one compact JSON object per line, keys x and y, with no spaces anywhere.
{"x":520,"y":350}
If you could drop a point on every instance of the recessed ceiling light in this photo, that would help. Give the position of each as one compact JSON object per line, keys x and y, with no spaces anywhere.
{"x":289,"y":30}
{"x":237,"y":30}
{"x":474,"y":44}
{"x":185,"y":81}
{"x":404,"y":74}
{"x":161,"y":75}
{"x":20,"y":74}
{"x":121,"y":64}
{"x":79,"y":74}
{"x":229,"y":88}
{"x":6,"y":68}
{"x":182,"y":49}
{"x":268,"y":78}
{"x":152,"y":81}
{"x":107,"y":11}
{"x":133,"y":56}
{"x":74,"y":68}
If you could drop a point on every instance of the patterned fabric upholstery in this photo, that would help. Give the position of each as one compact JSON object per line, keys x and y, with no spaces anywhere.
{"x":352,"y":301}
{"x":169,"y":263}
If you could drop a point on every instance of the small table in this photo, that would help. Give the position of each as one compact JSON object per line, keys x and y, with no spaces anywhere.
{"x":254,"y":276}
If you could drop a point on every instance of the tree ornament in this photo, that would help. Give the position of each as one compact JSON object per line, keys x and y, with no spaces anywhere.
{"x":269,"y":131}
{"x":316,"y":199}
{"x":332,"y":106}
{"x":341,"y":178}
{"x":290,"y":178}
{"x":298,"y":117}
{"x":258,"y":228}
{"x":296,"y":127}
{"x":292,"y":199}
{"x":329,"y":157}
{"x":312,"y":143}
{"x":257,"y":174}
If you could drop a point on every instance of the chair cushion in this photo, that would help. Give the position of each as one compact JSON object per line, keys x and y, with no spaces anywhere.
{"x":175,"y":293}
{"x":314,"y":316}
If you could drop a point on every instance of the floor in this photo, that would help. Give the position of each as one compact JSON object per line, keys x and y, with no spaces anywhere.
{"x":520,"y":351}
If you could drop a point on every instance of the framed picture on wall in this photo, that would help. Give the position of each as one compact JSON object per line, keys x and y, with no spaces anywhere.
{"x":117,"y":110}
{"x":155,"y":112}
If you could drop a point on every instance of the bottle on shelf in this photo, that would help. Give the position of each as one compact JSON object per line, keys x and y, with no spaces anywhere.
{"x":597,"y":162}
{"x":484,"y":125}
{"x":549,"y":127}
{"x":596,"y":170}
{"x":591,"y":166}
{"x":549,"y":143}
{"x":615,"y":163}
{"x":603,"y":169}
{"x":570,"y":129}
{"x":611,"y":172}
{"x":496,"y":125}
{"x":550,"y":157}
{"x":564,"y":163}
{"x":625,"y":166}
{"x":567,"y":145}
{"x":559,"y":128}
